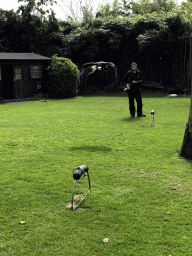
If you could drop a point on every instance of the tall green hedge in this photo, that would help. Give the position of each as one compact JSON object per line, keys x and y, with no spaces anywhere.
{"x":151,"y":40}
{"x":62,"y":78}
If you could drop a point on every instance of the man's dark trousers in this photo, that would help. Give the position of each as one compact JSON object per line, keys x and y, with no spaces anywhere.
{"x":135,"y":94}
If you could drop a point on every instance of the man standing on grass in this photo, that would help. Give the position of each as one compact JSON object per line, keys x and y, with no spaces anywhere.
{"x":133,"y":79}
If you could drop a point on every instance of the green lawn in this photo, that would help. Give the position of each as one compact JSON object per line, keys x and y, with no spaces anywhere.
{"x":140,"y":194}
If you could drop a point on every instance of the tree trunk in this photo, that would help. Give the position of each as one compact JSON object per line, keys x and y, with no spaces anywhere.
{"x":186,"y":149}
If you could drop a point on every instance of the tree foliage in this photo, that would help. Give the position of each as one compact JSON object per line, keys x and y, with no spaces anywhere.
{"x":116,"y":9}
{"x":150,"y":40}
{"x":40,"y":7}
{"x":27,"y":32}
{"x":151,"y":6}
{"x":186,"y":10}
{"x":78,"y":10}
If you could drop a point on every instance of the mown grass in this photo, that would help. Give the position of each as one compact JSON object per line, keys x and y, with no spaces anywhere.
{"x":140,"y":188}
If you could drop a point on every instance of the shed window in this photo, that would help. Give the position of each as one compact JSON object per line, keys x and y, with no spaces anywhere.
{"x":18,"y":74}
{"x":36,"y":71}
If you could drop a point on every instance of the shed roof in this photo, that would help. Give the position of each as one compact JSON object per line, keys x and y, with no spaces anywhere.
{"x":21,"y":56}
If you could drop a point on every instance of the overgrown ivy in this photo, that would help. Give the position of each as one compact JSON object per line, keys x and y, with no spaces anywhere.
{"x":151,"y":40}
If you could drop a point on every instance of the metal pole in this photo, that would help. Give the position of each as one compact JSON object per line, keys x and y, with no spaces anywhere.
{"x":81,"y":201}
{"x":152,"y":122}
{"x":89,"y":181}
{"x":152,"y":113}
{"x":73,"y":208}
{"x":72,"y":194}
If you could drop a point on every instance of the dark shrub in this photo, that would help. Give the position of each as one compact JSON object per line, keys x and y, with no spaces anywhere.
{"x":62,"y":78}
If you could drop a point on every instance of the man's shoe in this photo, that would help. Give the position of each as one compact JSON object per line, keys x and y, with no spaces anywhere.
{"x":132,"y":116}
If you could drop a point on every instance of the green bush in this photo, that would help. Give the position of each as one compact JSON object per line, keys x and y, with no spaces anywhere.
{"x":62,"y":78}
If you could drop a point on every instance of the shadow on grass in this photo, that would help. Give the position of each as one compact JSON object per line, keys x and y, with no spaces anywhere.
{"x":91,"y":148}
{"x":145,"y":94}
{"x":130,"y":119}
{"x":189,"y":161}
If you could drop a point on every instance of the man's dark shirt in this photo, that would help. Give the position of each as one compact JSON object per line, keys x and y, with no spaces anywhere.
{"x":130,"y":77}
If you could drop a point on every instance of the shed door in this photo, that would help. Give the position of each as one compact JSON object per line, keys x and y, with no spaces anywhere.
{"x":8,"y":81}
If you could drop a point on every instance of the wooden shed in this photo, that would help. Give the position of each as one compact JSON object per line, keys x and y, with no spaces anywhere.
{"x":21,"y":74}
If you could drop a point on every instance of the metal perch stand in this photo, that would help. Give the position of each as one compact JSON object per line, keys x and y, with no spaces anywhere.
{"x":80,"y":170}
{"x":152,"y":114}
